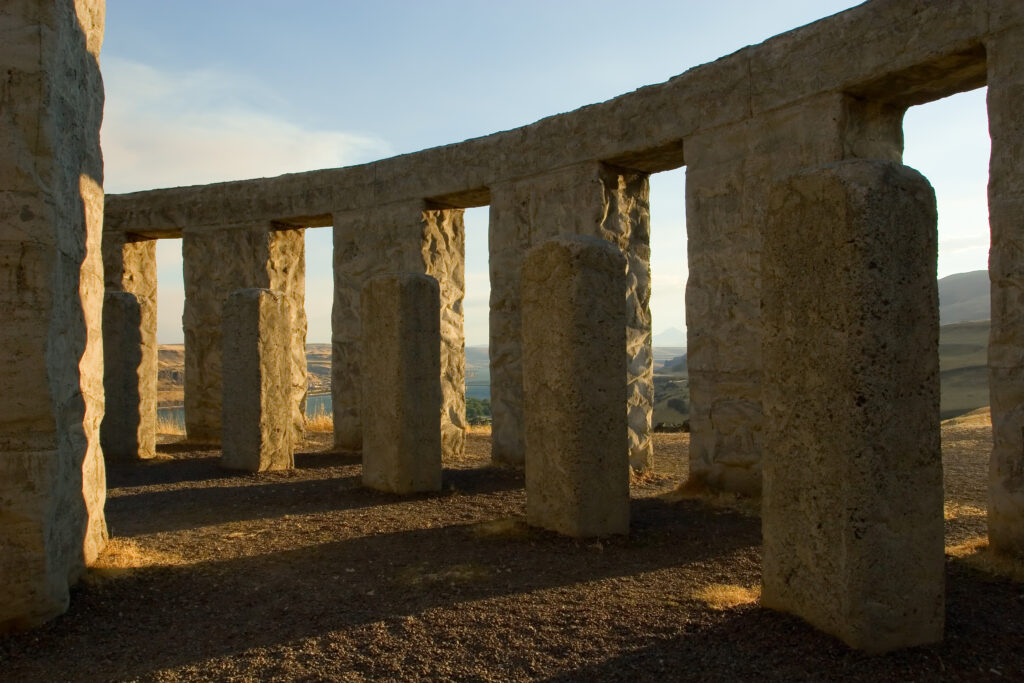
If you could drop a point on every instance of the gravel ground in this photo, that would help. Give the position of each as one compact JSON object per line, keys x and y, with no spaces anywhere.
{"x":305,"y":575}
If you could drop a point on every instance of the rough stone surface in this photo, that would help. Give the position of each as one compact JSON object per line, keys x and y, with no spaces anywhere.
{"x":130,"y":356}
{"x":401,"y":383}
{"x":127,"y":432}
{"x":52,"y":481}
{"x":216,"y":264}
{"x":906,"y":52}
{"x":727,"y":180}
{"x":573,"y":332}
{"x":411,"y":238}
{"x":1006,"y":270}
{"x":590,"y":199}
{"x":259,"y":431}
{"x":852,"y":512}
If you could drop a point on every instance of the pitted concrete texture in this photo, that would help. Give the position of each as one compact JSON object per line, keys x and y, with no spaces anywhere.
{"x":128,"y":431}
{"x":401,"y":383}
{"x":216,"y":264}
{"x":727,"y":180}
{"x":52,"y":477}
{"x":852,"y":510}
{"x":414,"y":238}
{"x":131,"y":365}
{"x":259,"y":432}
{"x":1005,"y":53}
{"x":588,"y":199}
{"x":574,"y":330}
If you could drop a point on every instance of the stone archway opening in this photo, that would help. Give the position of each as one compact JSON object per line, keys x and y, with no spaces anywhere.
{"x":170,"y":340}
{"x":947,"y":141}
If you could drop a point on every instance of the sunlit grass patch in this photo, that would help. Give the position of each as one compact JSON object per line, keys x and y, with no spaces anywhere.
{"x":321,"y":422}
{"x":723,"y":596}
{"x":123,"y":557}
{"x":169,"y":426}
{"x":695,"y":490}
{"x":507,"y":527}
{"x":975,"y":553}
{"x":953,"y":510}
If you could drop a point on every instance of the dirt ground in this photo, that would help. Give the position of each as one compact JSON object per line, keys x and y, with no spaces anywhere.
{"x":306,"y":575}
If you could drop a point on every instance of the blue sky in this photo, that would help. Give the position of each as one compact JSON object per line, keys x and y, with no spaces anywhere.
{"x":226,"y":89}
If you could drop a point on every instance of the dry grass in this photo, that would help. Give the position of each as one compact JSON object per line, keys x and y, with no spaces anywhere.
{"x":508,"y":527}
{"x":320,"y":422}
{"x":723,"y":596}
{"x":976,"y":553}
{"x":169,"y":427}
{"x":692,"y":489}
{"x":954,"y":510}
{"x":123,"y":557}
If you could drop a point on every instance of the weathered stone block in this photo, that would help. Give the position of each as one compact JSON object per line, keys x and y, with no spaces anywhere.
{"x":587,"y":199}
{"x":216,"y":263}
{"x":401,"y":383}
{"x":52,"y":481}
{"x":257,"y":418}
{"x":128,"y":430}
{"x":1005,"y":59}
{"x":852,"y":507}
{"x":414,"y":238}
{"x":574,"y":330}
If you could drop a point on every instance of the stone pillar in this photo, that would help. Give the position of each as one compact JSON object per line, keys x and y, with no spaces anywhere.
{"x":52,"y":481}
{"x":573,"y":332}
{"x":401,"y":383}
{"x":259,"y":432}
{"x":410,"y":237}
{"x":589,"y":199}
{"x":1005,"y":58}
{"x":852,"y":508}
{"x":729,"y":172}
{"x":125,"y":432}
{"x":130,"y":355}
{"x":216,"y":263}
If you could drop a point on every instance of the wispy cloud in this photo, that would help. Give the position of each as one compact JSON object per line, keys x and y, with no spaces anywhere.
{"x":165,"y":129}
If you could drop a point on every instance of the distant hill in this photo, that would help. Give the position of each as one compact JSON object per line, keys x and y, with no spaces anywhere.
{"x":964,"y":296}
{"x":672,"y":336}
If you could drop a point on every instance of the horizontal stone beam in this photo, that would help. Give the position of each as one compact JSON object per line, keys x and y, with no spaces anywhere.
{"x":907,"y":53}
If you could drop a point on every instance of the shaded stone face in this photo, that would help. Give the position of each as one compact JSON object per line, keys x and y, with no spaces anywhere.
{"x":574,"y":329}
{"x":401,"y":383}
{"x":409,"y":238}
{"x":589,"y":199}
{"x":217,"y":263}
{"x":1005,"y":55}
{"x":130,"y":347}
{"x":258,"y":433}
{"x":852,"y":509}
{"x":52,"y":482}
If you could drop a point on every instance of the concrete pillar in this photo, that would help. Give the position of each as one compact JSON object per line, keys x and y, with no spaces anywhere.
{"x":852,"y":508}
{"x":589,"y":199}
{"x":259,"y":434}
{"x":130,"y":354}
{"x":125,"y":433}
{"x":409,"y":237}
{"x":401,"y":383}
{"x":577,"y":472}
{"x":729,"y":172}
{"x":1005,"y":58}
{"x":216,"y":263}
{"x":52,"y":481}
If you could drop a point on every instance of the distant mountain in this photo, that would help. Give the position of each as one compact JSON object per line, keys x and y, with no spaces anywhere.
{"x":672,"y":336}
{"x":964,"y":297}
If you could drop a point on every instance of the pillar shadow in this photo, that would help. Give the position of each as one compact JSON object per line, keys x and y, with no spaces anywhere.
{"x":311,"y":591}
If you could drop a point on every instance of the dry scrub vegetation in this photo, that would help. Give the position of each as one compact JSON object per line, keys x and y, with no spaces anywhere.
{"x":306,"y":575}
